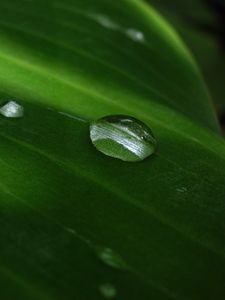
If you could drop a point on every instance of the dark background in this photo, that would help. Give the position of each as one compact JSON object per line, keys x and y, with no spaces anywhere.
{"x":201,"y":24}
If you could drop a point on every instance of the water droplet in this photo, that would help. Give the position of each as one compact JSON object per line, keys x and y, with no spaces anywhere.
{"x":12,"y":110}
{"x":105,"y":21}
{"x":135,"y":35}
{"x":110,"y":258}
{"x":181,"y":189}
{"x":107,"y":290}
{"x":122,"y":137}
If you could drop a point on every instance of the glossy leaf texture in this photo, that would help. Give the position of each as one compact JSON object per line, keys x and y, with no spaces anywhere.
{"x":76,"y":224}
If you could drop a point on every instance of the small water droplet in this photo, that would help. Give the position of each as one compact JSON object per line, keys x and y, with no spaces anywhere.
{"x":107,"y":290}
{"x":110,"y":258}
{"x":12,"y":110}
{"x":135,"y":35}
{"x":181,"y":189}
{"x":105,"y":21}
{"x":122,"y":137}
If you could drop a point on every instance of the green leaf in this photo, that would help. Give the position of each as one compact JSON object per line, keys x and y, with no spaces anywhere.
{"x":75,"y":223}
{"x":200,"y":27}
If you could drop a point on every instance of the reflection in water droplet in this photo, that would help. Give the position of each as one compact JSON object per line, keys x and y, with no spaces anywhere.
{"x":105,"y":21}
{"x":107,"y":290}
{"x":110,"y":258}
{"x":122,"y":137}
{"x":12,"y":110}
{"x":135,"y":35}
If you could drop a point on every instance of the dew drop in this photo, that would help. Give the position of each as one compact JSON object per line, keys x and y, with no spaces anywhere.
{"x":135,"y":35}
{"x":12,"y":110}
{"x":107,"y":290}
{"x":122,"y":137}
{"x":105,"y":21}
{"x":181,"y":189}
{"x":110,"y":258}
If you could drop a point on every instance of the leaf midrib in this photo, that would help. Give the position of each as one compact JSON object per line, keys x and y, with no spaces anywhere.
{"x":45,"y":73}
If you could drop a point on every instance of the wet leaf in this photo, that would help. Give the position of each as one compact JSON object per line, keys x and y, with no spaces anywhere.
{"x":69,"y":63}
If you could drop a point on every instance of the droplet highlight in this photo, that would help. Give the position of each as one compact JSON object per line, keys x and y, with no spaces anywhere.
{"x":110,"y":258}
{"x":12,"y":110}
{"x":107,"y":290}
{"x":122,"y":137}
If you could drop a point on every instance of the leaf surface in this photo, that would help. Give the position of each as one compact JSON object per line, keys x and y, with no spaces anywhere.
{"x":64,"y":204}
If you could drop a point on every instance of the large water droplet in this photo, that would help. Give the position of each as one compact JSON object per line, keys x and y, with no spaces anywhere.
{"x":12,"y":110}
{"x":107,"y":290}
{"x":110,"y":258}
{"x":122,"y":137}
